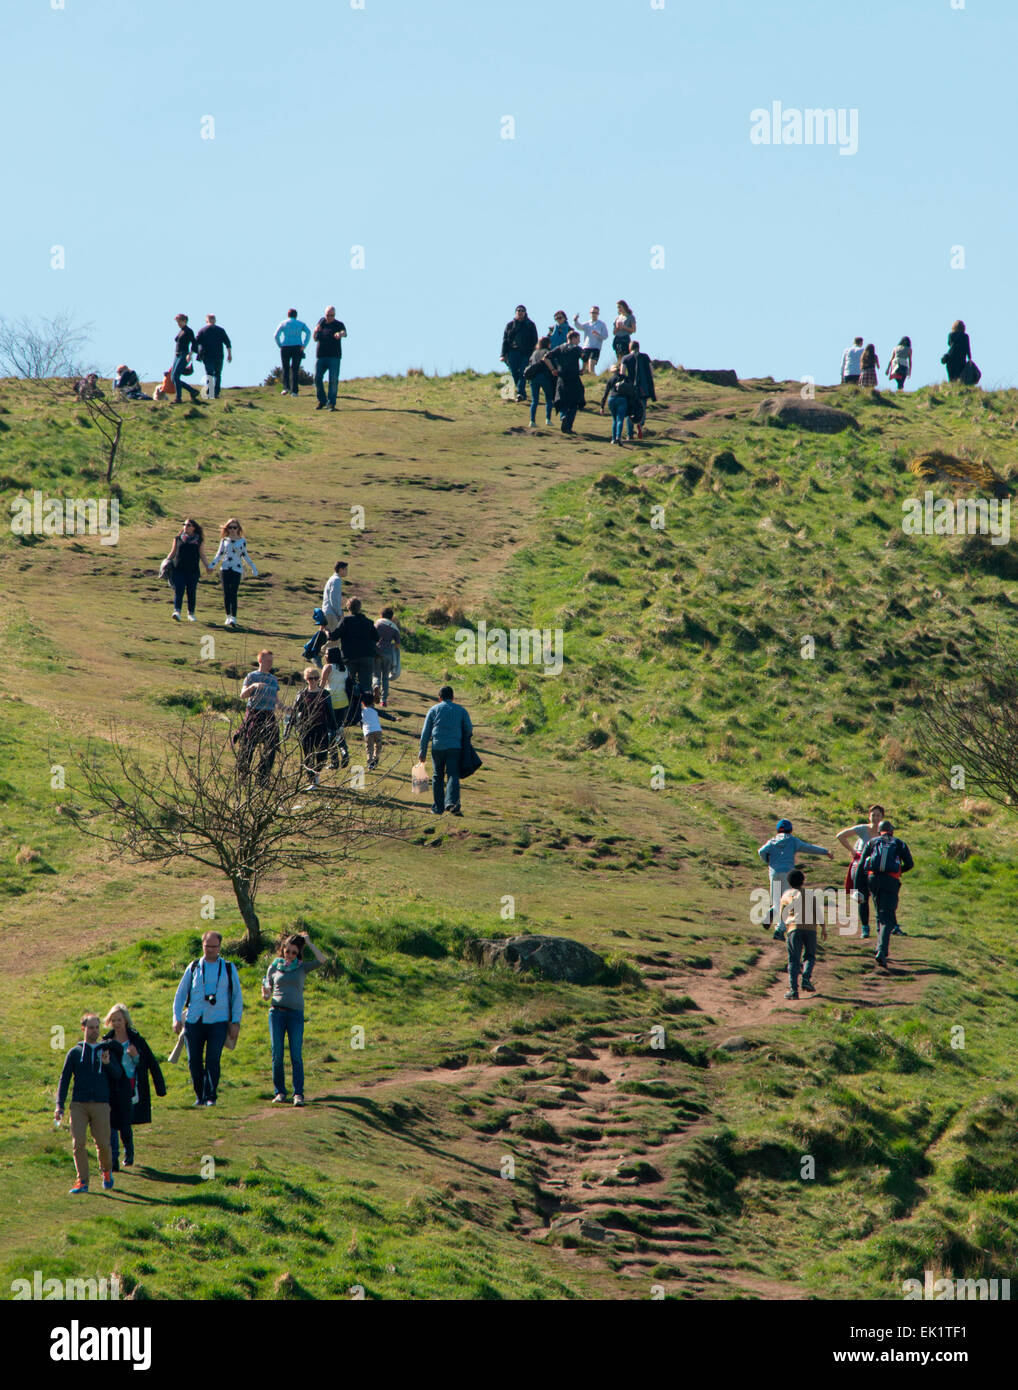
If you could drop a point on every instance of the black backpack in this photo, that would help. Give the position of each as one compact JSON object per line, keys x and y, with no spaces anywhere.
{"x":883,"y":856}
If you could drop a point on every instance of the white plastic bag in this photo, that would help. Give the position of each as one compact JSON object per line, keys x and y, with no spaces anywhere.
{"x":419,"y":780}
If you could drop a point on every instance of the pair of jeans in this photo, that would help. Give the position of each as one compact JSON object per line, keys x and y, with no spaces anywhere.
{"x":446,"y":764}
{"x":619,"y":407}
{"x":383,"y":670}
{"x":291,"y":367}
{"x":328,"y":365}
{"x":517,"y":361}
{"x":181,"y":584}
{"x":205,"y":1042}
{"x":214,"y":372}
{"x":537,"y":385}
{"x":884,"y":890}
{"x":802,"y":945}
{"x":179,"y":363}
{"x":231,"y":583}
{"x":94,"y":1115}
{"x":287,"y":1023}
{"x":127,"y":1134}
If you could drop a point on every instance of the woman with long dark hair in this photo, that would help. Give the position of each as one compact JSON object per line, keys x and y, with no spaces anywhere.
{"x":958,"y":351}
{"x":187,"y":555}
{"x":868,"y":368}
{"x":284,"y":987}
{"x":625,"y":327}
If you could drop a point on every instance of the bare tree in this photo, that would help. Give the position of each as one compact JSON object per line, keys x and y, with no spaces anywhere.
{"x":40,"y":348}
{"x":972,"y":725}
{"x":105,"y":417}
{"x":201,"y":801}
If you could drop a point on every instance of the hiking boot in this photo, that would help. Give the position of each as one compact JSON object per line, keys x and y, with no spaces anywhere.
{"x":791,"y":994}
{"x":78,"y":1188}
{"x":881,"y":961}
{"x":812,"y":989}
{"x":107,"y":1182}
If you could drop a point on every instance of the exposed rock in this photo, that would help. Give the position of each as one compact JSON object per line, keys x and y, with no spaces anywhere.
{"x":583,"y":1053}
{"x":807,"y":414}
{"x":714,"y":378}
{"x":504,"y":1056}
{"x":581,"y":1226}
{"x":661,"y":364}
{"x":551,"y":957}
{"x":654,"y":470}
{"x":736,"y":1044}
{"x":726,"y":462}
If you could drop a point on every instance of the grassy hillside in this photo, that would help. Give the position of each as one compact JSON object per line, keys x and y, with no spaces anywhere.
{"x":745,"y":629}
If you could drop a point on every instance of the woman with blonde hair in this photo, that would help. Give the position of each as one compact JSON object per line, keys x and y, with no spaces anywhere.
{"x":130,"y":1097}
{"x":233,"y":554}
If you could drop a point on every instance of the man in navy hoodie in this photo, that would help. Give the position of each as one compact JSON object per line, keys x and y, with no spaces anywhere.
{"x":93,"y":1066}
{"x":210,"y":344}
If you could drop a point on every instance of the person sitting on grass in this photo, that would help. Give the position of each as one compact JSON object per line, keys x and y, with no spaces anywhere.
{"x":798,"y":912}
{"x":779,"y":855}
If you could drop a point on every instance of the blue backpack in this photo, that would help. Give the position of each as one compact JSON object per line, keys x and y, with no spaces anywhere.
{"x":883,"y":856}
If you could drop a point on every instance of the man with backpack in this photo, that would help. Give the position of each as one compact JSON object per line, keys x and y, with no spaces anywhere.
{"x":636,"y":365}
{"x":884,"y":861}
{"x":209,"y":993}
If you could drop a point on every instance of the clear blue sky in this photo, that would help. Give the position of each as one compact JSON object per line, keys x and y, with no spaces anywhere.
{"x":380,"y":127}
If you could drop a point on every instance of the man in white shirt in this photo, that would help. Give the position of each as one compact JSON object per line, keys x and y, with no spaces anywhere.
{"x":851,"y":364}
{"x":332,"y":598}
{"x":594,"y":334}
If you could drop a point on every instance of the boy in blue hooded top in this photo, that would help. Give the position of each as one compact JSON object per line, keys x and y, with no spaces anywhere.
{"x":779,"y":855}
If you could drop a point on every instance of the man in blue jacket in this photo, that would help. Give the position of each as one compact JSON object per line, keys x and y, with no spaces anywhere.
{"x":93,"y":1066}
{"x":292,"y":337}
{"x":447,"y":726}
{"x":210,"y":344}
{"x":209,"y":993}
{"x":884,"y":860}
{"x":779,"y":855}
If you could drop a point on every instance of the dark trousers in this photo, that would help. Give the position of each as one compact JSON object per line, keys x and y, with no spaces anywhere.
{"x":184,"y":583}
{"x":446,"y":763}
{"x":259,"y":730}
{"x":205,"y":1042}
{"x":568,"y":414}
{"x":802,"y":946}
{"x":126,"y":1133}
{"x":231,"y":583}
{"x":884,"y":890}
{"x":361,"y":671}
{"x":516,"y":361}
{"x":214,"y":371}
{"x":859,"y":883}
{"x":315,"y":747}
{"x":179,"y":364}
{"x":291,"y":368}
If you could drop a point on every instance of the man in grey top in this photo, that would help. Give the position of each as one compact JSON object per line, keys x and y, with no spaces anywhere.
{"x":447,"y":727}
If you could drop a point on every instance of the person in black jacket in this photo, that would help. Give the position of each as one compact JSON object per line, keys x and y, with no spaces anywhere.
{"x":94,"y":1068}
{"x":569,"y":395}
{"x":130,"y":1099}
{"x":127,"y":383}
{"x":518,"y":342}
{"x":183,"y":347}
{"x":958,"y":351}
{"x":358,"y":641}
{"x":538,"y":373}
{"x":209,"y":345}
{"x":884,"y":860}
{"x":313,"y":718}
{"x":637,"y":365}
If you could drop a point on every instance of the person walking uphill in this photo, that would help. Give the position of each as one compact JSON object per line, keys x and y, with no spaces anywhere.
{"x":283,"y":986}
{"x":779,"y":855}
{"x":292,"y":337}
{"x":209,"y":993}
{"x":329,"y":334}
{"x":92,"y":1066}
{"x":210,"y":343}
{"x":851,"y":364}
{"x":801,"y":934}
{"x":638,"y":366}
{"x":447,"y":727}
{"x":959,"y":351}
{"x":518,"y":341}
{"x":619,"y":391}
{"x":131,"y":1098}
{"x":183,"y":347}
{"x":884,"y":860}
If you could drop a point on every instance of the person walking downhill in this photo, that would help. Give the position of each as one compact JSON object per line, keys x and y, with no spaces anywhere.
{"x":558,"y":332}
{"x":959,"y":351}
{"x":131,"y":1098}
{"x":388,"y":636}
{"x":93,"y":1067}
{"x":183,"y":348}
{"x":851,"y":364}
{"x":210,"y":343}
{"x":329,"y":334}
{"x":618,"y":391}
{"x":283,"y":986}
{"x":798,"y":912}
{"x":233,"y":554}
{"x":855,"y":838}
{"x":519,"y":338}
{"x":336,"y":681}
{"x":569,"y":393}
{"x":637,"y":366}
{"x":292,"y":337}
{"x":358,"y":642}
{"x":778,"y":853}
{"x":624,"y":328}
{"x":259,"y":729}
{"x":447,"y":727}
{"x":899,"y":369}
{"x":594,"y":331}
{"x":187,"y":555}
{"x":540,"y":377}
{"x":315,"y":723}
{"x":868,"y":364}
{"x":884,"y":860}
{"x":210,"y":995}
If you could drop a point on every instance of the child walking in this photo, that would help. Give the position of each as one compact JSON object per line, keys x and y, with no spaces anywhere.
{"x":233,"y":554}
{"x":372,"y":727}
{"x":798,"y":912}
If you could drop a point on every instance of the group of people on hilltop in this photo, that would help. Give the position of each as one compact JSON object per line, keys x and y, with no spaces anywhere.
{"x":878,"y":860}
{"x":859,"y":364}
{"x":554,"y":364}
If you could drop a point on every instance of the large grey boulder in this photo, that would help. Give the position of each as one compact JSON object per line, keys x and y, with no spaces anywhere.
{"x":804,"y":414}
{"x":551,"y":957}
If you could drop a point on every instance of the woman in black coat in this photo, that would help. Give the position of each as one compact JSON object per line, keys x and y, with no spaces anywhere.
{"x":130,"y":1098}
{"x":958,"y":351}
{"x":569,"y":394}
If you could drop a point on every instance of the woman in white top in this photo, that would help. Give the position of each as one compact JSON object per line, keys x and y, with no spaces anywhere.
{"x":855,"y":838}
{"x":233,"y":554}
{"x":337,"y":682}
{"x":624,"y":327}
